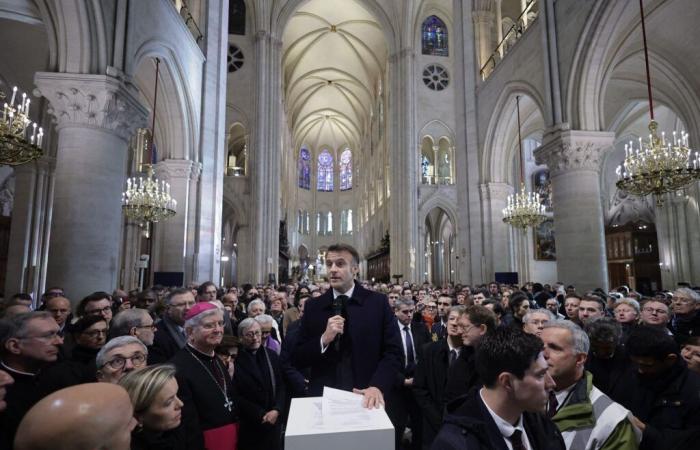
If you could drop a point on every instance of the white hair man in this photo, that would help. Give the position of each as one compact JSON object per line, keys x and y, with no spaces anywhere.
{"x":205,"y":386}
{"x":120,"y":356}
{"x":686,"y":314}
{"x":587,"y":418}
{"x":535,"y":320}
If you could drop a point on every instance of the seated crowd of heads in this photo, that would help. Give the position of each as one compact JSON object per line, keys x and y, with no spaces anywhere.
{"x":118,"y":362}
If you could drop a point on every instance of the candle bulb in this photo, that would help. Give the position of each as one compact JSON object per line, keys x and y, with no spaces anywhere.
{"x":14,"y":92}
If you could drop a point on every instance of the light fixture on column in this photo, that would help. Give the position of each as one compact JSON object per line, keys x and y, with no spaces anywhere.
{"x":659,"y":165}
{"x":20,"y":138}
{"x":148,"y":199}
{"x":523,"y":209}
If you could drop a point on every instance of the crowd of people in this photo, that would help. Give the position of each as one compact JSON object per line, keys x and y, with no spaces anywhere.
{"x":457,"y":367}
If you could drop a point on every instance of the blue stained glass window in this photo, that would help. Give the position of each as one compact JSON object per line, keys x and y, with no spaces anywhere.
{"x":325,"y":172}
{"x":304,"y":168}
{"x":435,"y":37}
{"x":346,"y":170}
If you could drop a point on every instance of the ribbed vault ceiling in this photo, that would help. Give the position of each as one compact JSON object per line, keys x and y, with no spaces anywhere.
{"x":333,"y":53}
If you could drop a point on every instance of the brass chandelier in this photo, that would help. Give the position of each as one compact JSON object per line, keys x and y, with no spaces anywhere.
{"x":20,"y":143}
{"x":148,"y":199}
{"x":523,"y":209}
{"x":659,"y":165}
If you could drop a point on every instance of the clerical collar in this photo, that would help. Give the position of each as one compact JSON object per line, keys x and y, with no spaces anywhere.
{"x":348,"y":293}
{"x":199,"y":353}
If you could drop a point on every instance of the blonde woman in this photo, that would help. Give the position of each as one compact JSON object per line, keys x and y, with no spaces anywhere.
{"x":157,"y":409}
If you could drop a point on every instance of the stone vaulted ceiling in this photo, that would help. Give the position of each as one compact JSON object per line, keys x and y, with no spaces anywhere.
{"x":333,"y":54}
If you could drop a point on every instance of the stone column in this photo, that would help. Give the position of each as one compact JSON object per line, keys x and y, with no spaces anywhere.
{"x":31,"y":219}
{"x":191,"y":260}
{"x":483,"y":21}
{"x":573,"y":158}
{"x":677,"y":231}
{"x":403,"y":223}
{"x":494,"y":197}
{"x":96,"y":115}
{"x":499,"y":26}
{"x":171,"y":235}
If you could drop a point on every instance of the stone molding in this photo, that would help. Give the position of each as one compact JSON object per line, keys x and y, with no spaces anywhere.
{"x":177,"y":169}
{"x":572,"y":150}
{"x":91,"y":101}
{"x":495,"y":191}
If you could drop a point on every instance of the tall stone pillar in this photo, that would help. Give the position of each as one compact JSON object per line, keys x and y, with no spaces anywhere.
{"x":403,"y":223}
{"x":483,"y":21}
{"x":499,"y":26}
{"x":96,"y":115}
{"x":171,"y":235}
{"x":31,"y":219}
{"x":494,"y":197}
{"x":678,"y":235}
{"x":573,"y":158}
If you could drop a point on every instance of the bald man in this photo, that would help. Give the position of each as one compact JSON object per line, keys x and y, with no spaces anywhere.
{"x":82,"y":417}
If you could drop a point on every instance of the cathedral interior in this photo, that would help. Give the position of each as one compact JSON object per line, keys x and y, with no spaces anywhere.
{"x":402,"y":127}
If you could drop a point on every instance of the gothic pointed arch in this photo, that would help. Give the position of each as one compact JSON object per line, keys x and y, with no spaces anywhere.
{"x":325,"y":171}
{"x":434,"y":37}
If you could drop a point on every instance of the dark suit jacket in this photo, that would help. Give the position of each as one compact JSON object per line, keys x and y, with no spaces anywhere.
{"x":439,"y":330}
{"x":376,"y":346}
{"x":420,"y":338}
{"x":167,"y":341}
{"x":429,"y":384}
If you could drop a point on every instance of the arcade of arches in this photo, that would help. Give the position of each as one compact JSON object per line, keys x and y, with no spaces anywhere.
{"x":286,"y":126}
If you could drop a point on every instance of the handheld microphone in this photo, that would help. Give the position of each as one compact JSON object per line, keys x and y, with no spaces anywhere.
{"x":338,"y":310}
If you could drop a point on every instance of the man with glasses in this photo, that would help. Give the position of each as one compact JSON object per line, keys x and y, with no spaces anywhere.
{"x":686,"y":314}
{"x":120,"y":356}
{"x":133,"y":322}
{"x":170,"y":335}
{"x":31,"y":342}
{"x":96,"y":304}
{"x":655,"y":314}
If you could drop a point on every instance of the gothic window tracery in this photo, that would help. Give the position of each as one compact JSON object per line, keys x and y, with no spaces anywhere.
{"x":304,"y":168}
{"x":346,"y":170}
{"x":434,"y":37}
{"x":325,"y":172}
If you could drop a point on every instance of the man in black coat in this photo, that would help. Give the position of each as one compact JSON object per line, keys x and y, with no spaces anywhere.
{"x":663,"y":395}
{"x":258,"y":380}
{"x":401,"y":404}
{"x":508,"y":409}
{"x":170,"y":334}
{"x":366,"y":354}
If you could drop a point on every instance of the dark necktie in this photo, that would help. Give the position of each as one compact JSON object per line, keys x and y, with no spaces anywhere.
{"x":516,"y":439}
{"x":552,"y":404}
{"x":410,"y":355}
{"x":453,"y":356}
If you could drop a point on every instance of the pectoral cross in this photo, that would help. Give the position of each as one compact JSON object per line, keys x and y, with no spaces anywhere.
{"x":229,"y":404}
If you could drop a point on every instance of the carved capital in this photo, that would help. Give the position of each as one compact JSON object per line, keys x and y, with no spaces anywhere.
{"x":172,"y":169}
{"x":571,"y":150}
{"x":93,"y":101}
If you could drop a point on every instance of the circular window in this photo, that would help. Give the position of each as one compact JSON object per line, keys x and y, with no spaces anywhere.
{"x":235,"y":58}
{"x":435,"y":77}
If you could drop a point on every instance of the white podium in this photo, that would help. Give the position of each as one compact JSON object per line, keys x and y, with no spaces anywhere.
{"x":307,"y":429}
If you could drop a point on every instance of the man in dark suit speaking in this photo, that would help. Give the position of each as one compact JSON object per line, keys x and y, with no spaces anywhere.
{"x":348,"y":336}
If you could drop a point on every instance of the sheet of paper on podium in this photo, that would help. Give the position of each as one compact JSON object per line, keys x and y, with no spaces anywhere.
{"x":337,"y":421}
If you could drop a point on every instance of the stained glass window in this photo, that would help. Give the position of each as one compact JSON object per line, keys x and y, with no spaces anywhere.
{"x":346,"y":170}
{"x":304,"y":168}
{"x":435,"y":37}
{"x":325,"y":172}
{"x":236,"y":17}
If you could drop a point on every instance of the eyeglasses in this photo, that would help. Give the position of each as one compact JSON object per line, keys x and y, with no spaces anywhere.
{"x":654,"y":311}
{"x":408,"y":312}
{"x":95,"y":333}
{"x":253,"y":334}
{"x":104,"y":310}
{"x":48,"y":337}
{"x":118,"y":362}
{"x":431,"y":307}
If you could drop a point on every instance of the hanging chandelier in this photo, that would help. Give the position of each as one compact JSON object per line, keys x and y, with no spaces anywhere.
{"x":659,"y":165}
{"x":148,"y":199}
{"x":20,"y":143}
{"x":523,"y":209}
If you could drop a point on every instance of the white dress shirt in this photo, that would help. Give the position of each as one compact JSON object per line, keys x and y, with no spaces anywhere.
{"x":505,"y":427}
